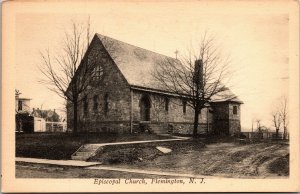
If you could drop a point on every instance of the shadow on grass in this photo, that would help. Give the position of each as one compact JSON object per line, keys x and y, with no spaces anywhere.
{"x":60,"y":146}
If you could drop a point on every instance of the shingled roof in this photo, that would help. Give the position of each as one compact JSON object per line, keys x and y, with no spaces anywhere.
{"x":137,"y":64}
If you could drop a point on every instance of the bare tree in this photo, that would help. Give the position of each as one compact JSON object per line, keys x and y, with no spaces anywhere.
{"x":59,"y":70}
{"x":283,"y":111}
{"x":277,"y":121}
{"x":196,"y":76}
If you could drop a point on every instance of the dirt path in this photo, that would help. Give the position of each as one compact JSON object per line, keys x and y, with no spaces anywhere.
{"x":219,"y":159}
{"x":230,"y":160}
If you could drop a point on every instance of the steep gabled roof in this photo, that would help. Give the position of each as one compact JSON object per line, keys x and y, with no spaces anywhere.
{"x":226,"y":96}
{"x":137,"y":64}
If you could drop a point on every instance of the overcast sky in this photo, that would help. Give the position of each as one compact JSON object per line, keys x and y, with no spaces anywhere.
{"x":256,"y":38}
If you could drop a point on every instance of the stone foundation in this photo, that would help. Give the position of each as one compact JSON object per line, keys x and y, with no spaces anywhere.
{"x":234,"y":126}
{"x":172,"y":128}
{"x":187,"y":128}
{"x":105,"y":127}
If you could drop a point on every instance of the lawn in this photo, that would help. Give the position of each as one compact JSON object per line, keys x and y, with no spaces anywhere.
{"x":215,"y":157}
{"x":60,"y":146}
{"x":147,"y":152}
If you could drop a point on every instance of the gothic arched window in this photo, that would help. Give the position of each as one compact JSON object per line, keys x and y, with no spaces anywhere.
{"x":184,"y":106}
{"x":167,"y":104}
{"x":85,"y":105}
{"x":105,"y":104}
{"x":95,"y":107}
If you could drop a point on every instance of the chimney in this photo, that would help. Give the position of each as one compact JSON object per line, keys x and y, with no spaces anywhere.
{"x":198,"y":72}
{"x":17,"y":93}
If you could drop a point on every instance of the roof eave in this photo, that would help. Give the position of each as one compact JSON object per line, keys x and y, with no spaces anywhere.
{"x":234,"y":101}
{"x":163,"y":92}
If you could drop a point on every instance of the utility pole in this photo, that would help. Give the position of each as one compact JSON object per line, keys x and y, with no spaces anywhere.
{"x":176,"y":53}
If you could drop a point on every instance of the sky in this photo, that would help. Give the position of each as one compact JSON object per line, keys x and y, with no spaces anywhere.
{"x":256,"y":41}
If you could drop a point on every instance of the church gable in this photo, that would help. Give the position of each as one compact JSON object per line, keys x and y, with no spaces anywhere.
{"x":107,"y":97}
{"x":107,"y":79}
{"x":103,"y":60}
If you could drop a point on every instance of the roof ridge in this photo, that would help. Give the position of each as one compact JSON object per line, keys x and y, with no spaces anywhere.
{"x":136,"y":64}
{"x":98,"y":34}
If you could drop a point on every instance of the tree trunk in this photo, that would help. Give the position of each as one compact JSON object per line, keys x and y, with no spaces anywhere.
{"x":196,"y":121}
{"x":277,"y":131}
{"x":75,"y":106}
{"x":284,"y":132}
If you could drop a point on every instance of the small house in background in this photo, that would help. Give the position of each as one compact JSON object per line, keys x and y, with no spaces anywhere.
{"x":39,"y":124}
{"x":24,"y":121}
{"x":36,"y":120}
{"x":52,"y":120}
{"x":22,"y":105}
{"x":48,"y":115}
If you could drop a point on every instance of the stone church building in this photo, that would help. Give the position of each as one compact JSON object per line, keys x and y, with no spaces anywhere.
{"x":125,"y":98}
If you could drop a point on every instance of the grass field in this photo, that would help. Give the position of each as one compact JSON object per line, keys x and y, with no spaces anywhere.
{"x":60,"y":146}
{"x":211,"y":157}
{"x":28,"y":170}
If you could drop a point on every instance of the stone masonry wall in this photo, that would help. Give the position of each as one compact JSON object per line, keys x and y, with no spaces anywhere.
{"x":174,"y":118}
{"x":225,"y":121}
{"x":234,"y":119}
{"x":115,"y":87}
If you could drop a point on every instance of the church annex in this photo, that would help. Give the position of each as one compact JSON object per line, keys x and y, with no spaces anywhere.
{"x":125,"y":98}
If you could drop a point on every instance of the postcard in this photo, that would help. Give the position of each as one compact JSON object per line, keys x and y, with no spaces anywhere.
{"x":147,"y":96}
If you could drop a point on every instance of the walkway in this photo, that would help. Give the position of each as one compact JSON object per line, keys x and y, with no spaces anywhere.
{"x":136,"y":142}
{"x":98,"y":166}
{"x":78,"y":163}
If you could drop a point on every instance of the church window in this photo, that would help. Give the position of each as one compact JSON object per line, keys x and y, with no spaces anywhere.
{"x":167,"y":104}
{"x":234,"y":110}
{"x":105,"y":104}
{"x":95,"y":107}
{"x":97,"y":73}
{"x":85,"y":104}
{"x":184,"y":106}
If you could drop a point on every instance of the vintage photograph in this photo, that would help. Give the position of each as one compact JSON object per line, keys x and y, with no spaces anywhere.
{"x":158,"y":93}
